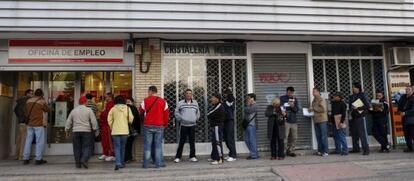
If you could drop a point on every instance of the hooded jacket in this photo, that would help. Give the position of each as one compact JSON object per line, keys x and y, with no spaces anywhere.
{"x":118,"y":119}
{"x":187,"y":113}
{"x":217,"y":115}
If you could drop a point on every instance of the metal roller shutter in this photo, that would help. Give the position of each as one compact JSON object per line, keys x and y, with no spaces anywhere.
{"x":272,"y":74}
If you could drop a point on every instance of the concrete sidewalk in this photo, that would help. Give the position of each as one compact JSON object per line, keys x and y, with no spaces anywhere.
{"x":377,"y":166}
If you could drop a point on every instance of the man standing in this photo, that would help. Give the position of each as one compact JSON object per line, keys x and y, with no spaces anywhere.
{"x":82,"y":122}
{"x":359,"y":120}
{"x":156,"y":119}
{"x":19,"y":111}
{"x":34,"y":109}
{"x":379,"y":114}
{"x":228,"y":129}
{"x":187,"y":113}
{"x":406,"y":107}
{"x":91,"y":104}
{"x":106,"y":141}
{"x":291,"y":105}
{"x":320,"y":110}
{"x":216,"y":118}
{"x":250,"y":113}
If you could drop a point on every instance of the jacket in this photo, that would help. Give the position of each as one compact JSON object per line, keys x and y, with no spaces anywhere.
{"x":103,"y":119}
{"x":406,"y":105}
{"x":338,"y":107}
{"x":250,"y":113}
{"x":19,"y":110}
{"x":36,"y":116}
{"x":136,"y":123}
{"x":291,"y":111}
{"x":81,"y":119}
{"x":380,"y":116}
{"x":159,"y":113}
{"x":118,"y":119}
{"x":275,"y":117}
{"x":362,"y":111}
{"x":216,"y":116}
{"x":187,"y":113}
{"x":229,"y":106}
{"x":320,"y":110}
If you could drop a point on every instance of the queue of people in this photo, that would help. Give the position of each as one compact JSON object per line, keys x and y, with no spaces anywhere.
{"x":120,"y":122}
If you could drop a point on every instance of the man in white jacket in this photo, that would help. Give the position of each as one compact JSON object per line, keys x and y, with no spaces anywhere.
{"x":187,"y":113}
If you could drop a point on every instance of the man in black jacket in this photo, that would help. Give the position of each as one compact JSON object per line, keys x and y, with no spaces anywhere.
{"x":19,"y":111}
{"x":228,"y":129}
{"x":216,"y":118}
{"x":379,"y":114}
{"x":406,"y":107}
{"x":359,"y":120}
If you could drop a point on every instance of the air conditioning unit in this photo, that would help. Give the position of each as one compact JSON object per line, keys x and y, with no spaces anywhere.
{"x":402,"y":56}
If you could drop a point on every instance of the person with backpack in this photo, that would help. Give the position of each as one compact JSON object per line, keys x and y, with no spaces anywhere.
{"x":84,"y":127}
{"x":157,"y":115}
{"x":19,"y":111}
{"x":34,"y":109}
{"x":187,"y":114}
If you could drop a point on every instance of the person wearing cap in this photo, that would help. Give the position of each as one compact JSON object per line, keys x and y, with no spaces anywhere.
{"x":216,"y":120}
{"x":290,"y":103}
{"x":359,"y":120}
{"x":339,"y":133}
{"x":82,"y":123}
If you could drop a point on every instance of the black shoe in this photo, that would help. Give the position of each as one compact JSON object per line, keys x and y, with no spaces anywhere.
{"x":121,"y":166}
{"x":116,"y":168}
{"x":334,"y":153}
{"x":78,"y":165}
{"x":85,"y":165}
{"x":40,"y":162}
{"x":365,"y":153}
{"x":408,"y":151}
{"x":252,"y":158}
{"x":354,"y":151}
{"x":26,"y":162}
{"x":292,"y":154}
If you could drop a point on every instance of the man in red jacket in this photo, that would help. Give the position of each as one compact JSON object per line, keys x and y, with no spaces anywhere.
{"x":106,"y":141}
{"x":156,"y":119}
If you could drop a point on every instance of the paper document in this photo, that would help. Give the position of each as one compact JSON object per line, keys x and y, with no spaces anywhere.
{"x":307,"y":113}
{"x":358,"y":103}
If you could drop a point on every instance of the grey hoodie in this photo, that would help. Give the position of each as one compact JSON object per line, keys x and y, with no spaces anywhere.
{"x":187,"y":113}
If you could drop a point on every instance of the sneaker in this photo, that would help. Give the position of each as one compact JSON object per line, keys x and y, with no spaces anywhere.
{"x":324,"y":155}
{"x":210,"y":160}
{"x":227,"y":157}
{"x":230,"y":159}
{"x":215,"y":162}
{"x":110,"y":158}
{"x":193,"y":159}
{"x":40,"y":162}
{"x":177,"y":160}
{"x":102,"y":157}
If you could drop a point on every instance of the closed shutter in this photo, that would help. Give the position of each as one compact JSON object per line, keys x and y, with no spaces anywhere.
{"x":273,"y":73}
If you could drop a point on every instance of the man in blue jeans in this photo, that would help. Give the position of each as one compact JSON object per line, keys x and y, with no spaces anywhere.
{"x":156,"y":119}
{"x":250,"y":113}
{"x":35,"y":107}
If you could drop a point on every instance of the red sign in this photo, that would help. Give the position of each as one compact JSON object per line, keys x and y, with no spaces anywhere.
{"x":66,"y":51}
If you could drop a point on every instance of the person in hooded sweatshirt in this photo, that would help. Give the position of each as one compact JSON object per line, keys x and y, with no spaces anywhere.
{"x":118,"y":119}
{"x":216,"y":120}
{"x":187,"y":113}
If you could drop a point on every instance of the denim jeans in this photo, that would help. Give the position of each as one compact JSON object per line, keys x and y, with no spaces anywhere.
{"x":321,"y":132}
{"x":119,"y":142}
{"x":341,"y":146}
{"x":153,"y":134}
{"x":39,"y":133}
{"x":250,"y":140}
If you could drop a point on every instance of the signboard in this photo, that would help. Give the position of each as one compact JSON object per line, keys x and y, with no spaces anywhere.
{"x":61,"y":113}
{"x":65,"y":51}
{"x":398,"y":81}
{"x":205,"y":49}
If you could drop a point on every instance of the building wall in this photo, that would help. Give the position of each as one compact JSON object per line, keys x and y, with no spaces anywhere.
{"x":317,"y":17}
{"x":6,"y":115}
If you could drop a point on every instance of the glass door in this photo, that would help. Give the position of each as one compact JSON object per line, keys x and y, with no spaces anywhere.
{"x":62,"y":100}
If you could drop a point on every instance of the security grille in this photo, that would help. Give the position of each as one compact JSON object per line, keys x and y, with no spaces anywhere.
{"x":204,"y":77}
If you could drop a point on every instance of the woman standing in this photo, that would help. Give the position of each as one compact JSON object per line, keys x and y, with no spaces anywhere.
{"x":118,"y":119}
{"x":276,"y":129}
{"x":134,"y":130}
